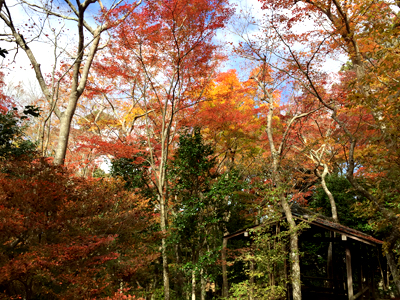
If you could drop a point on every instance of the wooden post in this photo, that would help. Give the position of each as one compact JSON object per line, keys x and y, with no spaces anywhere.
{"x":350,"y":292}
{"x":330,"y":283}
{"x":360,"y":269}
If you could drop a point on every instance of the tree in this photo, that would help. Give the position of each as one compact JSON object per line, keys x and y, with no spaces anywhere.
{"x":81,"y":61}
{"x":279,"y":125}
{"x":203,"y":197}
{"x":12,"y":138}
{"x":346,"y":199}
{"x":369,"y":48}
{"x":134,"y":171}
{"x":191,"y":178}
{"x":170,"y":57}
{"x":229,"y":119}
{"x":13,"y":141}
{"x":317,"y":144}
{"x":357,"y":100}
{"x":67,"y":237}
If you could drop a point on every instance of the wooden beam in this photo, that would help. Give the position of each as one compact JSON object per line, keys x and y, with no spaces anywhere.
{"x":338,"y":231}
{"x":349,"y":274}
{"x":361,"y":240}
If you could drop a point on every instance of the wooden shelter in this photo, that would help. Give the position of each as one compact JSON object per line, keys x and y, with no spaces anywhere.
{"x":352,"y":258}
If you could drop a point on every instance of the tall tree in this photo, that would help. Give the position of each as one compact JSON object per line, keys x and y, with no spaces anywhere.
{"x":202,"y":199}
{"x":368,"y":41}
{"x":280,"y":120}
{"x":171,"y":44}
{"x":81,"y":60}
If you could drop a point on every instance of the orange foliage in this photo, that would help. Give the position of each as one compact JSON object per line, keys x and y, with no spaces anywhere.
{"x":60,"y":235}
{"x":230,"y":116}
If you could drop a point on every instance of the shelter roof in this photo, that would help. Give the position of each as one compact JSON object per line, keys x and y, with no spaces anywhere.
{"x":321,"y":221}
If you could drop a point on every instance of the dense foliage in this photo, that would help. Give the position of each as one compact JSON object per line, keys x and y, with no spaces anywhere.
{"x":66,"y":237}
{"x":195,"y":152}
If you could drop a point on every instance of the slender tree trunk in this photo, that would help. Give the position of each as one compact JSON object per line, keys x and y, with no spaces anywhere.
{"x":164,"y":255}
{"x":331,"y":200}
{"x":329,"y":194}
{"x":165,"y":268}
{"x":193,"y":284}
{"x":203,"y":285}
{"x":294,"y":250}
{"x":335,"y":219}
{"x":225,"y":288}
{"x":76,"y":90}
{"x":276,"y":179}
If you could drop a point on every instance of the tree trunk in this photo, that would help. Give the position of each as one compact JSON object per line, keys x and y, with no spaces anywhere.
{"x":294,"y":250}
{"x":251,"y":280}
{"x":276,"y":157}
{"x":393,"y":269}
{"x":165,"y":268}
{"x":349,"y":273}
{"x":335,"y":217}
{"x":329,"y":194}
{"x":80,"y":75}
{"x":225,"y":288}
{"x":63,"y":137}
{"x":164,"y":247}
{"x":203,"y":285}
{"x":193,"y":284}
